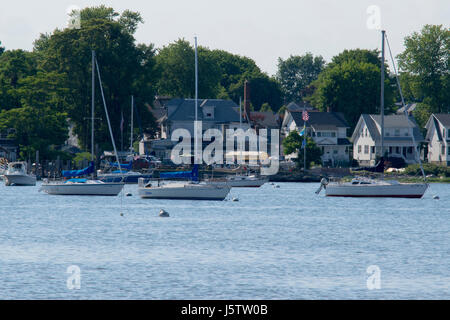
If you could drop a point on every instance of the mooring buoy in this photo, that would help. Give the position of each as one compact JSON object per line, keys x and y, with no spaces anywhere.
{"x":163,"y":213}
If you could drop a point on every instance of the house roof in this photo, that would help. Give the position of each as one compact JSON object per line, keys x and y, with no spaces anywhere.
{"x":328,"y":120}
{"x":372,"y":122}
{"x":265,"y":119}
{"x":409,"y":108}
{"x":443,"y":118}
{"x":299,"y":106}
{"x":185,"y":110}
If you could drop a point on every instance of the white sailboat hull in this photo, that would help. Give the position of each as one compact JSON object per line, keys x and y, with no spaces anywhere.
{"x":244,"y":183}
{"x":19,"y":180}
{"x":186,"y":192}
{"x":399,"y":190}
{"x":83,"y":189}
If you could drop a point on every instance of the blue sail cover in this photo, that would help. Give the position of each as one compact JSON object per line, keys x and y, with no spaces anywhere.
{"x":78,"y":173}
{"x":127,"y":166}
{"x":193,"y":175}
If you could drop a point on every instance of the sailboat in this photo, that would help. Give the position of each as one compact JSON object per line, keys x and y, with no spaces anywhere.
{"x":86,"y":186}
{"x":193,"y":189}
{"x":365,"y":187}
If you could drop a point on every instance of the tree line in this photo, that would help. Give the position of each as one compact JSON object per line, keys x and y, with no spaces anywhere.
{"x":41,"y":91}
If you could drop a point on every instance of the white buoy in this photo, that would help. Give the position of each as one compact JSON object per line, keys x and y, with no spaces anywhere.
{"x":163,"y":213}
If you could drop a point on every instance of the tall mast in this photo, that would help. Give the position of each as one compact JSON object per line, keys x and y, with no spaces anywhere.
{"x":92,"y":105}
{"x":131,"y":133}
{"x":196,"y":80}
{"x":382,"y":93}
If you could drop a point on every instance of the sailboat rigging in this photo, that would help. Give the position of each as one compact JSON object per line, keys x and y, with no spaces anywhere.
{"x":364,"y":187}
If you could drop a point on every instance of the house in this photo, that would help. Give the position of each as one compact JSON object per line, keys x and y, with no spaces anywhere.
{"x":179,"y":113}
{"x":438,"y":138}
{"x":398,"y":142}
{"x":327,"y":129}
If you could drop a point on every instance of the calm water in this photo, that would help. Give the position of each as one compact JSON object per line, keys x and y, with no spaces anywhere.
{"x":275,"y":243}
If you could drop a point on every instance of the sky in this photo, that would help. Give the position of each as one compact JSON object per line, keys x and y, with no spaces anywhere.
{"x":263,"y":30}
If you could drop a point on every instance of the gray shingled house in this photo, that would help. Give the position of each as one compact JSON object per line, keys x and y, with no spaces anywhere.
{"x":398,"y":142}
{"x":438,"y":138}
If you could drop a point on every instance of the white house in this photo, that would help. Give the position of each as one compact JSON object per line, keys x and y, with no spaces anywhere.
{"x":438,"y":138}
{"x":327,"y":129}
{"x":398,"y":142}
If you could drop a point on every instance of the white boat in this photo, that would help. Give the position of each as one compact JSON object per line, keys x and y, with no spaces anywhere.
{"x":240,"y":181}
{"x":183,"y":191}
{"x":364,"y":187}
{"x":82,"y":187}
{"x":127,"y":177}
{"x":16,"y":175}
{"x":92,"y":186}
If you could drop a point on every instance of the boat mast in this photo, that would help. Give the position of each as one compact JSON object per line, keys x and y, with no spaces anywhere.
{"x":92,"y":105}
{"x":382,"y":93}
{"x":131,"y":133}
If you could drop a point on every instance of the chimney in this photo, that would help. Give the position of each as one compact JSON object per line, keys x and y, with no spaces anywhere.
{"x":246,"y":100}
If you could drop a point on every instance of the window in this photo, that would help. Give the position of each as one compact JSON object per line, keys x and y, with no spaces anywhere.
{"x":319,"y":134}
{"x":410,"y":149}
{"x":397,"y":132}
{"x":397,"y":150}
{"x":359,"y":149}
{"x":443,"y":150}
{"x":390,"y":149}
{"x":387,"y":134}
{"x":335,"y":151}
{"x":372,"y":149}
{"x":448,"y":151}
{"x":366,"y":149}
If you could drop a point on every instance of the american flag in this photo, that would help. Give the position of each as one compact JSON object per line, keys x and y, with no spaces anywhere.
{"x":305,"y":115}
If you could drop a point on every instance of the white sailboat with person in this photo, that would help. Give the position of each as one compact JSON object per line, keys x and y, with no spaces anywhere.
{"x":188,"y":190}
{"x":365,"y":187}
{"x":86,"y":186}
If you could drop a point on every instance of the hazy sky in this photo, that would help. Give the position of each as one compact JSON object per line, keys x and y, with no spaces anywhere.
{"x":262,"y":30}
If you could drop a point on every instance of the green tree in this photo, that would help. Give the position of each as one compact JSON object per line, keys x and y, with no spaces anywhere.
{"x":294,"y":142}
{"x":2,"y":49}
{"x":352,"y":86}
{"x":265,"y":107}
{"x":296,"y":73}
{"x":35,"y":130}
{"x":176,"y":66}
{"x":426,"y":59}
{"x":126,"y":69}
{"x":422,"y":113}
{"x":14,"y":66}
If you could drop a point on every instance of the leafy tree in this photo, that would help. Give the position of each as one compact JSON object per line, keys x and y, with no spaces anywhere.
{"x":35,"y":130}
{"x":296,"y":73}
{"x":176,"y":66}
{"x":293,"y":143}
{"x":14,"y":66}
{"x":126,"y":69}
{"x":265,"y":107}
{"x":2,"y":49}
{"x":426,"y":59}
{"x":352,"y":86}
{"x":421,"y":114}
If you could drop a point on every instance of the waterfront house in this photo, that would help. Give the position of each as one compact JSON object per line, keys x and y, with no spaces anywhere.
{"x":327,"y":129}
{"x":438,"y":138}
{"x":398,"y":142}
